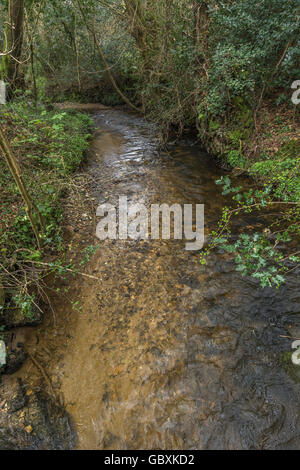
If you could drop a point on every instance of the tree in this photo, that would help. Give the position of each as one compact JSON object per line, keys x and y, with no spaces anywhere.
{"x":10,"y":63}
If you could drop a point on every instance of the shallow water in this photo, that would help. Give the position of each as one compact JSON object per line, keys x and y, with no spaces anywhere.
{"x":166,"y":353}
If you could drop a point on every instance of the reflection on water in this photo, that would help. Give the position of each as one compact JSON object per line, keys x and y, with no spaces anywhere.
{"x":169,"y":354}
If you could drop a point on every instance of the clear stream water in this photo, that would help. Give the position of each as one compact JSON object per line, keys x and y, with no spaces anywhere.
{"x":166,"y":353}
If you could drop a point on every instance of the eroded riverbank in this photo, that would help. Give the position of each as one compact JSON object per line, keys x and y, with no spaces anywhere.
{"x":165,"y":353}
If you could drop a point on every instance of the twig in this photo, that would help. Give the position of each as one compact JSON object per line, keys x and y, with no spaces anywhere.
{"x":66,"y":269}
{"x":43,"y":372}
{"x":289,"y":337}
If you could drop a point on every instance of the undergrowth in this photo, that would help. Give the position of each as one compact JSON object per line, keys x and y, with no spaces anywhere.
{"x":49,"y":146}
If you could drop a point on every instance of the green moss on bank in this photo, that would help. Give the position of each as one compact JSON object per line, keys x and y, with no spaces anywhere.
{"x":269,"y":151}
{"x":281,"y":170}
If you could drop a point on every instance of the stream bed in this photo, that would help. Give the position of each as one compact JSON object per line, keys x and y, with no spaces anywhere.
{"x":164,"y":353}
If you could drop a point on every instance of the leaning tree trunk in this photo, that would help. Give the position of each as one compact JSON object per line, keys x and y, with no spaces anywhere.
{"x":31,"y":208}
{"x":10,"y":66}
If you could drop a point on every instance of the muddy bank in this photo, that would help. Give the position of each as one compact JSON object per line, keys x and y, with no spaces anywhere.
{"x":81,"y":107}
{"x":154,"y":350}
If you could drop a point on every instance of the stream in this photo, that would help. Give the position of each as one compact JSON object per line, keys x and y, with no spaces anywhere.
{"x":165,"y":353}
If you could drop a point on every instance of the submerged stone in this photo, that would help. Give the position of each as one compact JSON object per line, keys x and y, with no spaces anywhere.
{"x":35,"y":422}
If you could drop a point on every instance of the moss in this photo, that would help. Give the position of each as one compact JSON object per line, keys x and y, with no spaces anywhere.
{"x":214,"y":125}
{"x":243,"y":115}
{"x":235,"y":139}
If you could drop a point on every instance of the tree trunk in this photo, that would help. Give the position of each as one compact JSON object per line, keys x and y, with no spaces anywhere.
{"x":201,"y":25}
{"x":11,"y":63}
{"x":134,"y":14}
